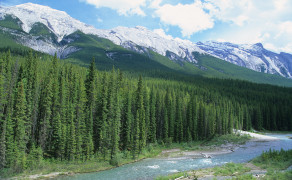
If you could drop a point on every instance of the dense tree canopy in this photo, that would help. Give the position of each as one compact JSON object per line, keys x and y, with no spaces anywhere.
{"x":67,"y":112}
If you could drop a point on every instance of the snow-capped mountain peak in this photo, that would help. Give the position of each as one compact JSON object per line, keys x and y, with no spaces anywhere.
{"x":144,"y":37}
{"x":252,"y":56}
{"x":59,"y":22}
{"x":141,"y":40}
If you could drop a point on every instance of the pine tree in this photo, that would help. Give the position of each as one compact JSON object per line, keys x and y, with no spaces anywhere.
{"x":141,"y":111}
{"x":165,"y":125}
{"x":146,"y":99}
{"x":80,"y":120}
{"x":116,"y":123}
{"x":102,"y":141}
{"x":128,"y":123}
{"x":136,"y":136}
{"x":71,"y":139}
{"x":179,"y":121}
{"x":10,"y":144}
{"x":189,"y":120}
{"x":152,"y":126}
{"x":19,"y":118}
{"x":89,"y":87}
{"x":201,"y":120}
{"x":70,"y":113}
{"x":30,"y":75}
{"x":3,"y":145}
{"x":143,"y":135}
{"x":45,"y":113}
{"x":3,"y":122}
{"x":63,"y":140}
{"x":56,"y":117}
{"x":171,"y":112}
{"x":195,"y":119}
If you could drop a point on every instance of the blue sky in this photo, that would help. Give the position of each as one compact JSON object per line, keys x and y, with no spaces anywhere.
{"x":244,"y":21}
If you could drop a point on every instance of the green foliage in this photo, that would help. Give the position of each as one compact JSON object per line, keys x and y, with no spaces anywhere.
{"x":56,"y":111}
{"x":244,"y":177}
{"x":172,"y":176}
{"x":147,"y":63}
{"x":230,"y":169}
{"x":35,"y":158}
{"x":11,"y":22}
{"x":228,"y":138}
{"x":273,"y":159}
{"x":278,"y":175}
{"x":219,"y":68}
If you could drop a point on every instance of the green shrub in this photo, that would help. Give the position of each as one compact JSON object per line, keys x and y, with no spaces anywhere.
{"x":172,"y":176}
{"x":274,"y":159}
{"x":278,"y":175}
{"x":231,"y":169}
{"x":244,"y":177}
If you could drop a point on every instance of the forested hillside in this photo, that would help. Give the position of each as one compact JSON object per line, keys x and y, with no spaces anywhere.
{"x":55,"y":110}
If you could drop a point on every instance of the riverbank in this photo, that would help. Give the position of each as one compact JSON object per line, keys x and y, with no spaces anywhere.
{"x":271,"y":164}
{"x":240,"y":171}
{"x":256,"y":136}
{"x":54,"y":168}
{"x":217,"y":146}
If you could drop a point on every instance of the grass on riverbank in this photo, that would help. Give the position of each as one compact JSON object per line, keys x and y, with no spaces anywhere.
{"x":99,"y":164}
{"x":231,"y":169}
{"x":276,"y":160}
{"x":269,"y":176}
{"x":94,"y":165}
{"x":228,"y":138}
{"x":173,"y":176}
{"x":271,"y":162}
{"x":216,"y":141}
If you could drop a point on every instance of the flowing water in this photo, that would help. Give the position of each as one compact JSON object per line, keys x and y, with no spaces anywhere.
{"x":151,"y":168}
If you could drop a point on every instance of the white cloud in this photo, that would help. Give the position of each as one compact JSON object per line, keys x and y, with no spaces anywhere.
{"x":230,"y":10}
{"x":155,"y":3}
{"x":99,"y":20}
{"x":286,"y":27}
{"x":244,"y":21}
{"x":281,"y":4}
{"x":123,"y":7}
{"x":190,"y":18}
{"x":251,"y":21}
{"x":161,"y":33}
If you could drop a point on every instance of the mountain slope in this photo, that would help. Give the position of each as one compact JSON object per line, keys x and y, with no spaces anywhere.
{"x":61,"y":24}
{"x":254,"y":57}
{"x":134,"y":49}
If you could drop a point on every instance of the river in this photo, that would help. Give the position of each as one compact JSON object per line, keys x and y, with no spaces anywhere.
{"x":151,"y":168}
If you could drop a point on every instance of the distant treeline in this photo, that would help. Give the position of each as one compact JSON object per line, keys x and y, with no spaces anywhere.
{"x":51,"y":109}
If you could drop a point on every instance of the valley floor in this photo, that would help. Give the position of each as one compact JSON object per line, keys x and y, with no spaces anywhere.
{"x":244,"y":171}
{"x":217,"y":145}
{"x":209,"y":150}
{"x":279,"y":168}
{"x":201,"y":149}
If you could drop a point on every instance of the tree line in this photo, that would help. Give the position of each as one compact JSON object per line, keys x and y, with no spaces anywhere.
{"x":55,"y":110}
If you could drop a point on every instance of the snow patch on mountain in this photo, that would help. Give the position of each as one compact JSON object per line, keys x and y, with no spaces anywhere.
{"x":252,"y":56}
{"x":141,"y":40}
{"x":41,"y":44}
{"x":144,"y":37}
{"x":61,"y":24}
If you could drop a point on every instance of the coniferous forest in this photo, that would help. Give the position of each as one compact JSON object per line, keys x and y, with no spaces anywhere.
{"x":55,"y":110}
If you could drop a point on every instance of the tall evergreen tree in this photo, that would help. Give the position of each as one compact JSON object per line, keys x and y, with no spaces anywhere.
{"x":19,"y":119}
{"x":3,"y":122}
{"x":152,"y":126}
